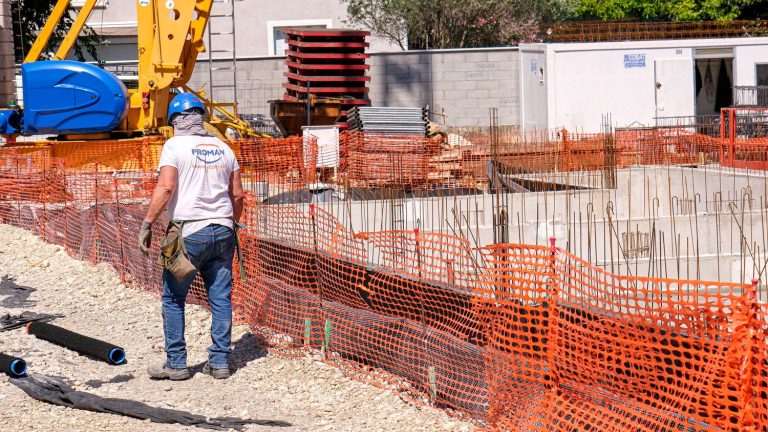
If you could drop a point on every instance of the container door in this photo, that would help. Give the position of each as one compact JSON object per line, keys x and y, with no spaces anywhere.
{"x":674,"y":87}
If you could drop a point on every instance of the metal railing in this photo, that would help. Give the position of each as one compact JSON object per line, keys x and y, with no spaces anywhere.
{"x":750,"y":96}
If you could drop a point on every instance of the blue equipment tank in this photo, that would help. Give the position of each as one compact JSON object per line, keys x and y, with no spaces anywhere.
{"x":68,"y":97}
{"x":10,"y":122}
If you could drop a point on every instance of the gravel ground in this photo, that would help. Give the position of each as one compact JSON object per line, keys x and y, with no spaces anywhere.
{"x":304,"y":392}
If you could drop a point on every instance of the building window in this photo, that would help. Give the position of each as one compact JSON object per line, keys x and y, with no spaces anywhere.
{"x":77,"y":4}
{"x":762,"y":74}
{"x":276,"y":32}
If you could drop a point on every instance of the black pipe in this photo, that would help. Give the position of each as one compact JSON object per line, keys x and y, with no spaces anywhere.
{"x":13,"y":366}
{"x":83,"y":344}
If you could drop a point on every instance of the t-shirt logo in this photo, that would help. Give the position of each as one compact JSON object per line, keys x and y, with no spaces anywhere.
{"x":208,"y":153}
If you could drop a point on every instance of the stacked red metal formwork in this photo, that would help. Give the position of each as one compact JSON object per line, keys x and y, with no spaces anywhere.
{"x":328,"y":64}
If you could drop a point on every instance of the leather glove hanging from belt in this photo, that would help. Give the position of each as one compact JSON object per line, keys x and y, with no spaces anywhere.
{"x":145,"y":237}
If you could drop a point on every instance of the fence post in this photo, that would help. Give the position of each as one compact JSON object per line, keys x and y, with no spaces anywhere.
{"x":119,"y":229}
{"x":308,"y":321}
{"x":722,"y":137}
{"x":431,"y":377}
{"x":18,"y":191}
{"x":95,"y":248}
{"x":747,"y":367}
{"x":567,"y":159}
{"x":65,"y":210}
{"x":732,"y":137}
{"x":554,"y":316}
{"x":43,"y":200}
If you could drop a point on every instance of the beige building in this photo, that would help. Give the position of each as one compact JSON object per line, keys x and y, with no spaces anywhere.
{"x":258,"y":25}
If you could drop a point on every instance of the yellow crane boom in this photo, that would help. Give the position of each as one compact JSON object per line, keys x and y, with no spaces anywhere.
{"x":170,"y":37}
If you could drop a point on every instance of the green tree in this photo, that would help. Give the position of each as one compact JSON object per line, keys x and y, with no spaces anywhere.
{"x":424,"y":24}
{"x":677,"y":10}
{"x":29,"y":16}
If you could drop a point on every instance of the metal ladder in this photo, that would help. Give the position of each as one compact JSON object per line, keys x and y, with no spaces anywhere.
{"x":222,"y":74}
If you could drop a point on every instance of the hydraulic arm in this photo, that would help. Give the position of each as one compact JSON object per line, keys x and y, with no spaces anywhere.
{"x":76,"y":100}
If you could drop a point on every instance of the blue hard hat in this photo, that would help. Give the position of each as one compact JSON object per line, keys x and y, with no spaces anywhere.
{"x":184,"y":102}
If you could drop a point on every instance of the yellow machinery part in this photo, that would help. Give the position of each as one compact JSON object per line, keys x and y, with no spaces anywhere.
{"x":170,"y":37}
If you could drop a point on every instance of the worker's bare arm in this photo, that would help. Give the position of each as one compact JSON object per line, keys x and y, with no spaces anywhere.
{"x":236,"y":194}
{"x":166,"y":185}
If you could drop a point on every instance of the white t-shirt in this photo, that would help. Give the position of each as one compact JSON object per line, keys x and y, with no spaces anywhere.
{"x":204,"y":166}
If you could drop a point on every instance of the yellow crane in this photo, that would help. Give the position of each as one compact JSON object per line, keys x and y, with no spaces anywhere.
{"x":170,"y":37}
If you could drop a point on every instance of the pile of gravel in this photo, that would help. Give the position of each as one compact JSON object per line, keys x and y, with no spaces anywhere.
{"x":305,"y":392}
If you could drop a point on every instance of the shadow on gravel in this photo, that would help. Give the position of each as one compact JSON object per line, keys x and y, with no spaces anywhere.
{"x":117,"y":379}
{"x":246,"y":350}
{"x":59,"y":392}
{"x":16,"y":296}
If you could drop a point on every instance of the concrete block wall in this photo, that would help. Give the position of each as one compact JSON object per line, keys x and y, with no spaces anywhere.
{"x":258,"y":81}
{"x":7,"y":69}
{"x":460,"y":86}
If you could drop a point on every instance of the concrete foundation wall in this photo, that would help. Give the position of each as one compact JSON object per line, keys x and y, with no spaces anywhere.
{"x":460,"y":86}
{"x":657,"y":223}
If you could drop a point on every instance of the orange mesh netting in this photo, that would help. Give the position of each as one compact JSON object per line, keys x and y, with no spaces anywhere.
{"x":573,"y":347}
{"x":465,"y":160}
{"x":378,"y":160}
{"x":525,"y":337}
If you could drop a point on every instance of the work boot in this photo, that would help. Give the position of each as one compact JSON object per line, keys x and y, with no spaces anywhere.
{"x":218,"y":373}
{"x":162,"y":371}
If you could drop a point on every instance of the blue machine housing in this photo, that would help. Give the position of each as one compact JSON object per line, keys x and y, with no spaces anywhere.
{"x":68,"y":97}
{"x":10,"y":122}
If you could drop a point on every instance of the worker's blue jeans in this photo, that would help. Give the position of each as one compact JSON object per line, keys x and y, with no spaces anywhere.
{"x":211,"y":251}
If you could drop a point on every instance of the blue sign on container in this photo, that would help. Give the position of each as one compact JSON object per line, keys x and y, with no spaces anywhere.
{"x":632,"y":61}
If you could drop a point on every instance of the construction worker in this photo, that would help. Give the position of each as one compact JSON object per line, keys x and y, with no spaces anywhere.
{"x":200,"y":184}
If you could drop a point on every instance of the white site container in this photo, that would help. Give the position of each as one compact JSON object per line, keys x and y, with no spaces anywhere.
{"x":572,"y":85}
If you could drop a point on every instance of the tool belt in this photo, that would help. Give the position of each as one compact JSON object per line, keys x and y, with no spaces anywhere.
{"x":173,"y":254}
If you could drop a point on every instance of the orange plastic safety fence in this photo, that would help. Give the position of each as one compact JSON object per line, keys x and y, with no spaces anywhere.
{"x":470,"y":159}
{"x":112,"y":155}
{"x":760,"y":369}
{"x":572,"y":346}
{"x":750,"y":153}
{"x":528,"y":337}
{"x":282,"y":279}
{"x":387,"y":160}
{"x":665,"y":147}
{"x":281,"y":164}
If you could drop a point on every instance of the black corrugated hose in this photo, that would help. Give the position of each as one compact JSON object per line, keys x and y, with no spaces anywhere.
{"x":101,"y":350}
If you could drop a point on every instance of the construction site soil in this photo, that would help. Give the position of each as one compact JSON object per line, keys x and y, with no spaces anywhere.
{"x":305,"y":392}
